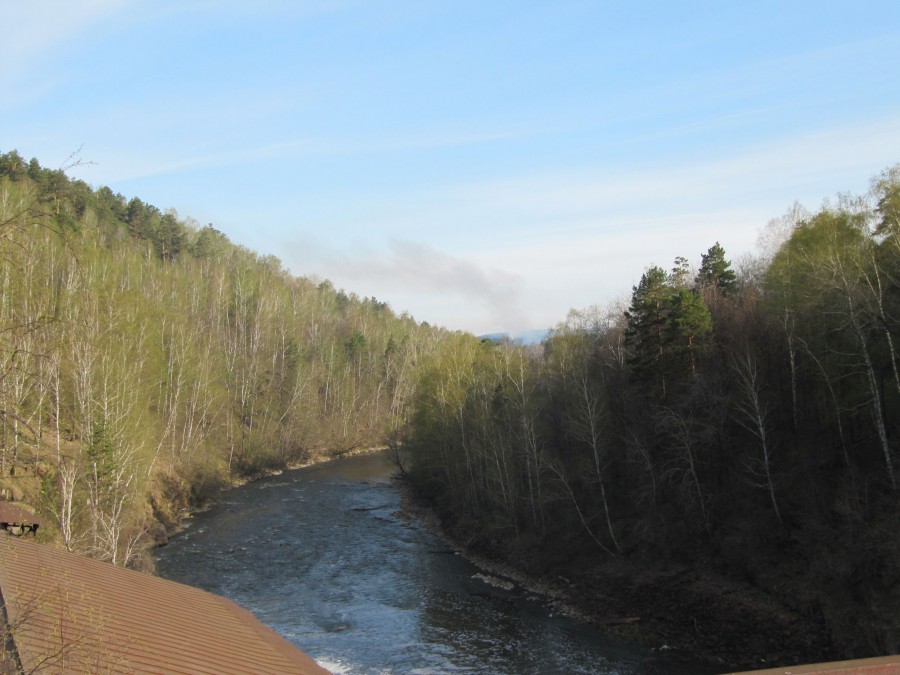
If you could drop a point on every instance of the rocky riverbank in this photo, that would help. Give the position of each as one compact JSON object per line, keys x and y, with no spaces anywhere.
{"x":695,"y":609}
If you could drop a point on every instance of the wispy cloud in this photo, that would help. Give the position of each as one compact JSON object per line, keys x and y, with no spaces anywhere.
{"x":749,"y":175}
{"x":572,"y":238}
{"x":541,"y":165}
{"x":126,"y":166}
{"x":421,"y":275}
{"x":306,"y":8}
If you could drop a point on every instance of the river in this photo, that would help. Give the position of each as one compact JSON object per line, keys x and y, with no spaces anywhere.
{"x":325,"y":556}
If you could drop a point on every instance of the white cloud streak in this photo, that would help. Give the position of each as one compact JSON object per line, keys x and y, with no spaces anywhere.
{"x":420,"y":275}
{"x":575,"y":238}
{"x":120,"y":168}
{"x":752,"y":177}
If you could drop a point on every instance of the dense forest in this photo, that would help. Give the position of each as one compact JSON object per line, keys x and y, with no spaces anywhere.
{"x":747,"y":416}
{"x":743,"y":414}
{"x":146,"y":361}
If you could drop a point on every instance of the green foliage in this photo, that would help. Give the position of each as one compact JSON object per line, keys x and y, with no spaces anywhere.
{"x":715,"y":271}
{"x":689,"y":329}
{"x":210,"y":243}
{"x":12,"y":165}
{"x":142,"y":360}
{"x":356,"y":344}
{"x":681,"y":271}
{"x":647,"y":317}
{"x":887,"y":194}
{"x":134,"y":348}
{"x":668,"y":326}
{"x":101,"y":453}
{"x":766,"y":439}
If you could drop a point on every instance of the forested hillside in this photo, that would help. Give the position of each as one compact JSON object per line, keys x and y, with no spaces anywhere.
{"x":746,"y":416}
{"x":145,"y":361}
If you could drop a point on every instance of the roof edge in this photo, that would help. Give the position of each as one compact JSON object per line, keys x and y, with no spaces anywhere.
{"x":9,"y":653}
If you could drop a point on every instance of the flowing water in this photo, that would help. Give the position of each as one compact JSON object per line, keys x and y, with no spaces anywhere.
{"x":325,"y":556}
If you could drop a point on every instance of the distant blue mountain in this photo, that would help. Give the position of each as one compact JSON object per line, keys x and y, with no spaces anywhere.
{"x":525,"y":337}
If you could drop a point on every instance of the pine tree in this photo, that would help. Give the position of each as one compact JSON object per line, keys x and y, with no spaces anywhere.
{"x":647,"y":318}
{"x":689,"y":328}
{"x":667,"y":326}
{"x":715,"y":271}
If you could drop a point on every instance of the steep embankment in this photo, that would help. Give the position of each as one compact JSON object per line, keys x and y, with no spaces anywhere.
{"x":145,"y":362}
{"x":742,"y":422}
{"x":698,"y":609}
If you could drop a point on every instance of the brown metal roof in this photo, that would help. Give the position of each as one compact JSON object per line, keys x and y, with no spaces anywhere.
{"x":73,"y":614}
{"x":10,"y":513}
{"x":882,"y":665}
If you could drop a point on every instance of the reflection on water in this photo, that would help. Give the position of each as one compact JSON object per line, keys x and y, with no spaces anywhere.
{"x":323,"y":556}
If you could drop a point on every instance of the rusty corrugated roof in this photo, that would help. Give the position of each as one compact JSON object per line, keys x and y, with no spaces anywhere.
{"x":10,"y":513}
{"x":881,"y":665}
{"x":73,"y":614}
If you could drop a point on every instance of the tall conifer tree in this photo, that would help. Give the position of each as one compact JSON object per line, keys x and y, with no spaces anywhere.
{"x":715,"y":271}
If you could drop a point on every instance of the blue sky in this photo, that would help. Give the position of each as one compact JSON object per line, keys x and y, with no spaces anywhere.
{"x":483,"y":165}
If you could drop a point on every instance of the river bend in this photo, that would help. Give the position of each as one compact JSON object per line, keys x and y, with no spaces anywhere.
{"x":325,"y":556}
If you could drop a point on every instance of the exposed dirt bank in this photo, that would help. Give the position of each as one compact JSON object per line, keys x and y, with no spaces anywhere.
{"x":174,"y":502}
{"x":696,"y":610}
